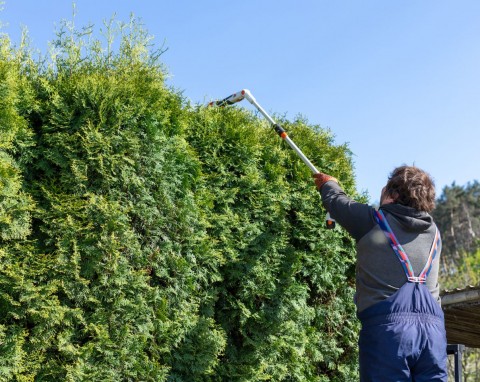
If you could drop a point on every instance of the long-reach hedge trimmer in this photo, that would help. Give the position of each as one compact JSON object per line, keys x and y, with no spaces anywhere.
{"x":245,"y":94}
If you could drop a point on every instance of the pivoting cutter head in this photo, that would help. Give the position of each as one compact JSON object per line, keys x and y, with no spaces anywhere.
{"x":234,"y":98}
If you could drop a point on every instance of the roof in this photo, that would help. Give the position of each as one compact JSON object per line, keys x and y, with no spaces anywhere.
{"x":462,"y":315}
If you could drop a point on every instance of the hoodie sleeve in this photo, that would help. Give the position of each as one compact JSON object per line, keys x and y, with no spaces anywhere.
{"x":356,"y":218}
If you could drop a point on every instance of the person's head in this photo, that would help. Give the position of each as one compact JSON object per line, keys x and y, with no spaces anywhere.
{"x":410,"y":186}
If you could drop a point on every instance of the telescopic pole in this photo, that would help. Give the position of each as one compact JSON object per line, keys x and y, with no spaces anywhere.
{"x":246,"y":94}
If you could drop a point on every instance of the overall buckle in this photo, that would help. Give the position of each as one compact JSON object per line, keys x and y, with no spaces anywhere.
{"x":416,"y":279}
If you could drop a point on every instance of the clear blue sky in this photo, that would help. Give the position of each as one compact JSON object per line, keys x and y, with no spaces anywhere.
{"x":398,"y":80}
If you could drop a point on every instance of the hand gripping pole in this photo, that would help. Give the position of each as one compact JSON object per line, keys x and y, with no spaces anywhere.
{"x":246,"y":94}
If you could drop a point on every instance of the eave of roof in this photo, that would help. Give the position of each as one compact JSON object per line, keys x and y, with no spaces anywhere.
{"x":456,"y":296}
{"x":462,"y":315}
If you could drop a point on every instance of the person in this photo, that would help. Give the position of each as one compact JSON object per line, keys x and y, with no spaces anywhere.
{"x":403,"y":336}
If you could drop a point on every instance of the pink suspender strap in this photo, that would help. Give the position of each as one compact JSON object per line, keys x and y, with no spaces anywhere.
{"x":402,"y":255}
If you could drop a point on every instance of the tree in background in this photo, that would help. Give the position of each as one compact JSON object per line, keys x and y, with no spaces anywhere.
{"x":457,"y":215}
{"x":146,"y":239}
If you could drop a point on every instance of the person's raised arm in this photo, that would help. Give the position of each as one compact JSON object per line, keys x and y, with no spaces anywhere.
{"x":356,"y":218}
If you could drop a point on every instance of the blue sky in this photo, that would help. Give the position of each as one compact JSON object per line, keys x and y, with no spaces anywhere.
{"x":399,"y":81}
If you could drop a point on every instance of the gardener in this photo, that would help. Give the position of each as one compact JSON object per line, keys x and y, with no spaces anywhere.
{"x":397,"y":294}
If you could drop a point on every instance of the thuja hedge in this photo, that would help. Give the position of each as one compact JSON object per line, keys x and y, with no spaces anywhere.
{"x":146,"y":239}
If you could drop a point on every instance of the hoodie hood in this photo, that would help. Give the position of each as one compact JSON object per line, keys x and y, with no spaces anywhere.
{"x":410,"y":218}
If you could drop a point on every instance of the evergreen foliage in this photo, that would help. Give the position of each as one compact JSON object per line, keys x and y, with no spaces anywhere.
{"x":143,"y":239}
{"x":280,"y":303}
{"x":457,"y":214}
{"x":16,"y":207}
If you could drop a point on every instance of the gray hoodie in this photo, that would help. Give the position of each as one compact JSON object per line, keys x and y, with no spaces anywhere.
{"x":379,"y":273}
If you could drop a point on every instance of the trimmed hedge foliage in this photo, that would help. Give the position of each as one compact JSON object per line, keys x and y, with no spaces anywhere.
{"x":144,"y":239}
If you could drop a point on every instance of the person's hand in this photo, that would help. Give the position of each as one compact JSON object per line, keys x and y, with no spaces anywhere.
{"x":321,"y":179}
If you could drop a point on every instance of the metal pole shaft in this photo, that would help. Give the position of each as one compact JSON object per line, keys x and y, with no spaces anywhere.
{"x":301,"y":155}
{"x":292,"y":144}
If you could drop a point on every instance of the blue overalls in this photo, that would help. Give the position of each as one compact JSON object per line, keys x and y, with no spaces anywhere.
{"x":403,"y":337}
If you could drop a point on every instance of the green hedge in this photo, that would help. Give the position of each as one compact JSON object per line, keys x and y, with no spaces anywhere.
{"x":145,"y":239}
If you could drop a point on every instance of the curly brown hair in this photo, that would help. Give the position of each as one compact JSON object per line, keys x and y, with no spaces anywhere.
{"x":413,"y":187}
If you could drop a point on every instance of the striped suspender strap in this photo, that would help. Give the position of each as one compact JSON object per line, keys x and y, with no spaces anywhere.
{"x":402,"y":255}
{"x":433,"y":252}
{"x":397,"y":248}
